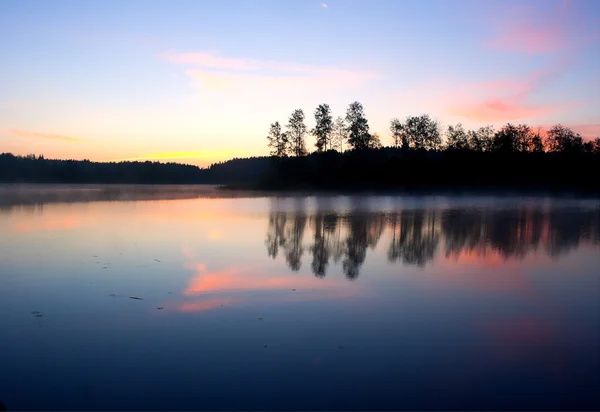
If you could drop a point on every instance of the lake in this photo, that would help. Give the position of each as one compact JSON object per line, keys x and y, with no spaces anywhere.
{"x":204,"y":300}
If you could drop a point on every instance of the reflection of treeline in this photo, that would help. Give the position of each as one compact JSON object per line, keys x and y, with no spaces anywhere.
{"x":415,"y":235}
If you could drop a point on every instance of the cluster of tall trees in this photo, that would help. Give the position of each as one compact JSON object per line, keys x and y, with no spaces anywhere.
{"x":416,"y":235}
{"x":418,"y":133}
{"x":329,"y":133}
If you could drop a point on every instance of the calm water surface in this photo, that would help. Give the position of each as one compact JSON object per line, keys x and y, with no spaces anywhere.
{"x":322,"y":303}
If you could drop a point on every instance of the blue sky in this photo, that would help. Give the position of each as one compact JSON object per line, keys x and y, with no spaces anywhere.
{"x":200,"y":81}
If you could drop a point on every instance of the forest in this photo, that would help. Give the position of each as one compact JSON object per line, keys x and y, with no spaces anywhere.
{"x":420,"y":156}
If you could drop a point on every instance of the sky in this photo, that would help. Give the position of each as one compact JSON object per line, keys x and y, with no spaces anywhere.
{"x":201,"y":81}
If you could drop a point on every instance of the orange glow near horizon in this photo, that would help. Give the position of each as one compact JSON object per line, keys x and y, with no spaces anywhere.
{"x":213,"y":155}
{"x":28,"y":226}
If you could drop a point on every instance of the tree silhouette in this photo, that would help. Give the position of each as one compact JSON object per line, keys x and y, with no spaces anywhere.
{"x":323,"y":127}
{"x":357,"y":126}
{"x":421,"y":132}
{"x":457,"y":138}
{"x":482,"y":139}
{"x":278,"y":141}
{"x":535,"y":142}
{"x":506,"y":140}
{"x":562,"y":139}
{"x":297,"y":131}
{"x":592,"y":146}
{"x":340,"y":134}
{"x":375,"y":142}
{"x":397,"y":135}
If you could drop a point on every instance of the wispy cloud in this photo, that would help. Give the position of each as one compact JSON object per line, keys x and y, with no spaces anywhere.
{"x":255,"y":77}
{"x":209,"y":60}
{"x":588,"y":131}
{"x":324,"y":5}
{"x":48,"y":136}
{"x":550,"y":29}
{"x":506,"y":99}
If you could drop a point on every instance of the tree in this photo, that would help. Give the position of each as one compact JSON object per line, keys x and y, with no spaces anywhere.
{"x":592,"y":146}
{"x":421,"y":132}
{"x":375,"y":142}
{"x":296,"y":131}
{"x":278,"y":141}
{"x":339,"y":134}
{"x":357,"y":126}
{"x":506,"y":140}
{"x":562,"y":139}
{"x":535,"y":142}
{"x":323,"y":127}
{"x":457,"y":138}
{"x":397,"y":135}
{"x":482,"y":139}
{"x":527,"y":140}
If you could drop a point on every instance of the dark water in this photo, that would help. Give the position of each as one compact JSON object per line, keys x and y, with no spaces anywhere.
{"x":354,"y":303}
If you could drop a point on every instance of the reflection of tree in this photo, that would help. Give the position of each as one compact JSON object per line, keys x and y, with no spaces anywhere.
{"x":567,"y":227}
{"x":356,"y":244}
{"x":275,"y":234}
{"x":294,"y":233}
{"x":416,"y":234}
{"x":462,"y":230}
{"x":320,"y":248}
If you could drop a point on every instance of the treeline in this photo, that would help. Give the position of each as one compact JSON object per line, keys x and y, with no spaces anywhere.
{"x":418,"y":133}
{"x":32,"y":168}
{"x":513,"y":157}
{"x":37,"y":169}
{"x":417,"y":236}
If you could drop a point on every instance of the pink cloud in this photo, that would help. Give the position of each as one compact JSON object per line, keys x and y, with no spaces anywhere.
{"x":527,"y":37}
{"x":499,"y":110}
{"x":506,"y":99}
{"x":536,"y":31}
{"x":588,"y":131}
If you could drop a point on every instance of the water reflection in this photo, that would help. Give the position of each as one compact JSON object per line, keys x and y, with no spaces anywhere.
{"x":415,"y":236}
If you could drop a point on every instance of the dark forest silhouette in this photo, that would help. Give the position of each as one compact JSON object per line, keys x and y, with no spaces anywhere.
{"x":349,"y":157}
{"x":416,"y":235}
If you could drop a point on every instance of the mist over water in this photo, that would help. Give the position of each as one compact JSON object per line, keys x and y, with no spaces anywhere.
{"x":148,"y":298}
